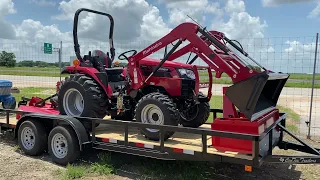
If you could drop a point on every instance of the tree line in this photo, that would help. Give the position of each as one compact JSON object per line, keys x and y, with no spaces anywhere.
{"x":8,"y":59}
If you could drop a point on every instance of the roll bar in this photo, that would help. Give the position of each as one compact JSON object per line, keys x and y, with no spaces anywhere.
{"x":75,"y":32}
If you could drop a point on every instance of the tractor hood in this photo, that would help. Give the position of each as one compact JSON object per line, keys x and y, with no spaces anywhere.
{"x":155,"y":62}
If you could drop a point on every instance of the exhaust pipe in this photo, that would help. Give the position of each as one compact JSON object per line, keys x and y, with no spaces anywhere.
{"x":257,"y":95}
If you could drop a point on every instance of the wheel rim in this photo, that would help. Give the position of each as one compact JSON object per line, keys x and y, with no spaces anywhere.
{"x":152,"y":114}
{"x":190,"y":113}
{"x":59,"y":146}
{"x":27,"y":138}
{"x":73,"y":102}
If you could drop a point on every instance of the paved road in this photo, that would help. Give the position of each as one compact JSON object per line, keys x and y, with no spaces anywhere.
{"x":297,"y":99}
{"x":31,"y":81}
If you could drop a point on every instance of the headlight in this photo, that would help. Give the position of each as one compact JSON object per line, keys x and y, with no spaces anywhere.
{"x":187,"y":73}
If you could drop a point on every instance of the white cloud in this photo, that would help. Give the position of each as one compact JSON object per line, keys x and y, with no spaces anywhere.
{"x":315,"y":12}
{"x":138,"y":24}
{"x":234,"y":6}
{"x":270,"y":3}
{"x":35,"y":31}
{"x":198,"y":9}
{"x":6,"y":7}
{"x":7,"y":29}
{"x":131,"y":17}
{"x":43,"y":2}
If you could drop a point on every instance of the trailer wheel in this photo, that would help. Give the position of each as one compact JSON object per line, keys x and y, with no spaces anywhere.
{"x":159,"y":109}
{"x":63,"y":145}
{"x":32,"y":137}
{"x":196,"y":116}
{"x":81,"y":96}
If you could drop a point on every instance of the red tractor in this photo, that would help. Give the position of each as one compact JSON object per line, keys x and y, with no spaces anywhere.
{"x":153,"y":91}
{"x":164,"y":92}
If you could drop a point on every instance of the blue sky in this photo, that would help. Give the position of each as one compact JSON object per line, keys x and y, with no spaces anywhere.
{"x":258,"y":24}
{"x":285,"y":20}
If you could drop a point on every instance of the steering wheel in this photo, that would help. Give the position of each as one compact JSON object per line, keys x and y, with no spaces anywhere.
{"x":124,"y":56}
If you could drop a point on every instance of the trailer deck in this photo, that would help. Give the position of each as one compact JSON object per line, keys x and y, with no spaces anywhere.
{"x":188,"y":143}
{"x":192,"y":144}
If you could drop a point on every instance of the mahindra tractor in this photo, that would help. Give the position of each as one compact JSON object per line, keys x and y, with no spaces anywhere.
{"x":147,"y":90}
{"x":165,"y":92}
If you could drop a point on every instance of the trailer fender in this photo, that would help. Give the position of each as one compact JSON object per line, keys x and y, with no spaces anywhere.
{"x":52,"y":120}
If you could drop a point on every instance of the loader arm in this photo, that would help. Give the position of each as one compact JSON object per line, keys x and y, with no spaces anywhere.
{"x":259,"y":90}
{"x":188,"y":31}
{"x":190,"y":48}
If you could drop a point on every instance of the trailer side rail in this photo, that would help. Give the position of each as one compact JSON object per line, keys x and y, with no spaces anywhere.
{"x":160,"y":151}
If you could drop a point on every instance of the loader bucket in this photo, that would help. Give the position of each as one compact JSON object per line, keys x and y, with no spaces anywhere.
{"x":257,"y":95}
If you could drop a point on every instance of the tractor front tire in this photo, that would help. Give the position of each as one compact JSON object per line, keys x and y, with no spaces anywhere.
{"x":81,"y":96}
{"x":159,"y":109}
{"x":201,"y":114}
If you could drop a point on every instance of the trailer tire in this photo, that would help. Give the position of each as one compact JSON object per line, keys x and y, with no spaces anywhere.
{"x":203,"y":113}
{"x":164,"y":112}
{"x":93,"y":98}
{"x":32,"y":137}
{"x":59,"y":138}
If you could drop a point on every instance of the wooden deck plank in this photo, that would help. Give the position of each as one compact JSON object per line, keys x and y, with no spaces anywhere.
{"x":178,"y":140}
{"x":12,"y":120}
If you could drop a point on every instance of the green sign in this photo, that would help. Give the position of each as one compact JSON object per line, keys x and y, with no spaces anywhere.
{"x":47,"y":48}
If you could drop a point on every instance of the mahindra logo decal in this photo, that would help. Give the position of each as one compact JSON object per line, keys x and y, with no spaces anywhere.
{"x":152,"y":48}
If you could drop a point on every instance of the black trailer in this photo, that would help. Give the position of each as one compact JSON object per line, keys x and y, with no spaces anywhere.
{"x":66,"y":137}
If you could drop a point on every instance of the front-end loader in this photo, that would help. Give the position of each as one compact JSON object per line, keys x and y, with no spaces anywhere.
{"x":167,"y":95}
{"x":164,"y":92}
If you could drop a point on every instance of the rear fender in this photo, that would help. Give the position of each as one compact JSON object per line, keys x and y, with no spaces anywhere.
{"x":51,"y":120}
{"x":92,"y":72}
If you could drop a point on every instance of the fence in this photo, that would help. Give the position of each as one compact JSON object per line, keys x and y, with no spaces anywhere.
{"x":293,"y":55}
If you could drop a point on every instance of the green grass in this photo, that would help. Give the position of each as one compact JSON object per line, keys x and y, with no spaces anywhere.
{"x":292,"y":119}
{"x":292,"y":75}
{"x":29,"y":92}
{"x":55,"y":72}
{"x":288,"y":84}
{"x":103,"y":167}
{"x":31,"y":71}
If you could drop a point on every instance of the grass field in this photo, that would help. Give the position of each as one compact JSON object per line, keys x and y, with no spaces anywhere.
{"x":55,"y":72}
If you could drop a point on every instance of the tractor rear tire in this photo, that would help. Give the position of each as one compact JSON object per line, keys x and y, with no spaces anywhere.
{"x":81,"y":96}
{"x":203,"y":113}
{"x":159,"y":109}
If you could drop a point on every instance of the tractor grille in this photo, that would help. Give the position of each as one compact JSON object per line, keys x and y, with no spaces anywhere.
{"x":187,"y":86}
{"x":5,"y":90}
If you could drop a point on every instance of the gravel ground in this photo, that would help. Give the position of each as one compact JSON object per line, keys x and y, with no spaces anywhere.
{"x":15,"y":165}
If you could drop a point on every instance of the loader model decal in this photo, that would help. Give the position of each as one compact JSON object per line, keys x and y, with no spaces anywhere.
{"x":152,"y":48}
{"x":297,"y":160}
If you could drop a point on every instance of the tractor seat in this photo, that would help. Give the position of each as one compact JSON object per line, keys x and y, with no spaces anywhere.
{"x":114,"y":71}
